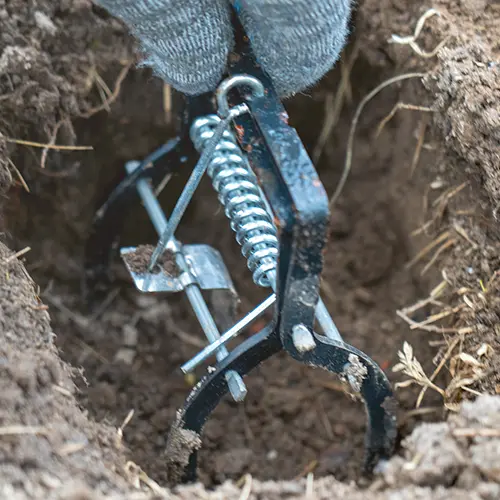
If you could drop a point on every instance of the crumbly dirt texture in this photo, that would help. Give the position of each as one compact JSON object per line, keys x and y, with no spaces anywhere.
{"x":410,"y":277}
{"x":47,"y":443}
{"x":138,"y":261}
{"x":180,"y":444}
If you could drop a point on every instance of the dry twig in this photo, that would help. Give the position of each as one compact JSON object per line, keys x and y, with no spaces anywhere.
{"x":120,"y":429}
{"x":247,"y":488}
{"x":58,"y":147}
{"x":19,"y":176}
{"x":398,"y":106}
{"x":114,"y":95}
{"x":442,"y":237}
{"x":418,"y":148}
{"x":17,"y":430}
{"x":16,"y":255}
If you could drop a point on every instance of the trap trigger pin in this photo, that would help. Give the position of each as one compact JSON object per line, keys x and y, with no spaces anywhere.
{"x":235,"y":383}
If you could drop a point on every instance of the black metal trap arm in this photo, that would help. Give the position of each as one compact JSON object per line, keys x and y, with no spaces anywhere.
{"x":292,"y":186}
{"x":213,"y":387}
{"x":296,"y":195}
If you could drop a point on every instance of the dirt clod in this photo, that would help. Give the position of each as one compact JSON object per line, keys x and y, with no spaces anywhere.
{"x":180,"y":444}
{"x":355,"y":372}
{"x":36,"y":393}
{"x":138,"y":260}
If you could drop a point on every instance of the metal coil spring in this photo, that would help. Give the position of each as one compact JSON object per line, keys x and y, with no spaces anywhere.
{"x":242,"y":199}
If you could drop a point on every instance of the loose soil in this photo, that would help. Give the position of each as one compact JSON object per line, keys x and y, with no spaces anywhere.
{"x":138,"y":261}
{"x":428,"y":175}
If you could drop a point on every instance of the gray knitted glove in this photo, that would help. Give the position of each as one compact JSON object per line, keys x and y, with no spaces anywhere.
{"x":188,"y":41}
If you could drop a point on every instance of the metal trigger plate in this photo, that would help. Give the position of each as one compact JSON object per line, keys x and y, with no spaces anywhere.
{"x":205,"y":264}
{"x":151,"y":282}
{"x":208,"y":267}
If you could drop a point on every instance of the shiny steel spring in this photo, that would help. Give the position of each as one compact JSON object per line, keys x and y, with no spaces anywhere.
{"x":242,"y":199}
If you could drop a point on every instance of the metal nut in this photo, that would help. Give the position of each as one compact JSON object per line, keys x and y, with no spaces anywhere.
{"x":236,"y":386}
{"x":303,"y":339}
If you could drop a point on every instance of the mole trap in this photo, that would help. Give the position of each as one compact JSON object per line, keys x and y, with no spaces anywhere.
{"x":239,"y":136}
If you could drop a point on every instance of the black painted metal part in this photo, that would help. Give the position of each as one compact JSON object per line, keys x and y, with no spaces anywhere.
{"x":300,"y":206}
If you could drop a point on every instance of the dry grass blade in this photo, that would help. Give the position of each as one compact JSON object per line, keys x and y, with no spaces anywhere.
{"x":114,"y":95}
{"x":411,"y":367}
{"x":70,"y":448}
{"x":354,"y":124}
{"x":247,"y":488}
{"x":19,"y":176}
{"x":436,"y":317}
{"x":427,"y":249}
{"x":307,"y":469}
{"x":418,"y":412}
{"x":125,"y":422}
{"x":167,"y":102}
{"x":461,"y":231}
{"x":62,"y":390}
{"x":58,"y":147}
{"x":418,"y":305}
{"x":18,"y":254}
{"x":51,"y":142}
{"x":441,"y":202}
{"x":153,"y":485}
{"x":163,"y":184}
{"x":472,"y":432}
{"x":19,"y":430}
{"x":439,"y":251}
{"x":437,"y":370}
{"x":432,"y":328}
{"x":418,"y":148}
{"x":398,"y":106}
{"x":438,"y":289}
{"x":411,"y":40}
{"x":189,"y":339}
{"x":136,"y":475}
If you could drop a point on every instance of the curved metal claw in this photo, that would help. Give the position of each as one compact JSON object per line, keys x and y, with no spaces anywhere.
{"x":336,"y":357}
{"x":205,"y":397}
{"x":366,"y":378}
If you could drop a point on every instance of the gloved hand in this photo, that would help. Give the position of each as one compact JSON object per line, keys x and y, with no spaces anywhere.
{"x":187,"y":41}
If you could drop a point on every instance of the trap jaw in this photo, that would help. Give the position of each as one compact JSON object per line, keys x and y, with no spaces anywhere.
{"x":279,"y":211}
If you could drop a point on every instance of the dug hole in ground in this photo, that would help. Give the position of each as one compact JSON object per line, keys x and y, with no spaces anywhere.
{"x":411,"y":271}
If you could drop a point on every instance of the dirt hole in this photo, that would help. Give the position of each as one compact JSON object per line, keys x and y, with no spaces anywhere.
{"x":294,"y":420}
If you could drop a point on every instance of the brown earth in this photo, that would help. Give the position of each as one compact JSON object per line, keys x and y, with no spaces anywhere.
{"x":428,"y":176}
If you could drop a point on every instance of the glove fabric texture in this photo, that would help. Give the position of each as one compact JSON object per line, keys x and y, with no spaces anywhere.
{"x":187,"y":42}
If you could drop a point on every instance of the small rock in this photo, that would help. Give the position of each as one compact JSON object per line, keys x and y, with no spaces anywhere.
{"x":45,"y":23}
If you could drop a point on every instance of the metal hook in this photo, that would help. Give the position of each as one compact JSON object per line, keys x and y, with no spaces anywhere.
{"x":255,"y":85}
